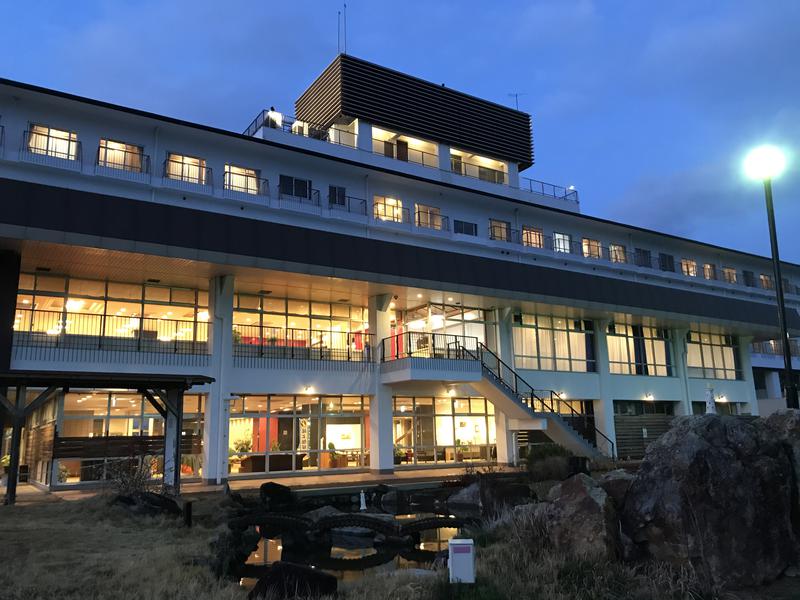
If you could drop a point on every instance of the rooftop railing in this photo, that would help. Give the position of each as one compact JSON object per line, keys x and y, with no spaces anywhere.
{"x":548,"y":189}
{"x":404,"y":153}
{"x":274,"y":120}
{"x":257,"y":341}
{"x":468,"y":169}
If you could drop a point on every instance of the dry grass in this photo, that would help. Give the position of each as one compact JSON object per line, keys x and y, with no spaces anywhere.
{"x":90,"y":550}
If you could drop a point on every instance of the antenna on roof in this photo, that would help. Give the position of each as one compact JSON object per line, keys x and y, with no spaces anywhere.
{"x":338,"y":32}
{"x":345,"y":27}
{"x":516,"y":96}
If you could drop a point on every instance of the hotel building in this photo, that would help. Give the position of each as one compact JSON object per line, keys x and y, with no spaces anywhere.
{"x":368,"y":285}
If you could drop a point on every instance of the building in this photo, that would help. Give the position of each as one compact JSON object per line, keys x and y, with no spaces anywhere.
{"x":369,"y":285}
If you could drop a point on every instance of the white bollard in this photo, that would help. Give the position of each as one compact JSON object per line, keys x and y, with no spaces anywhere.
{"x":461,"y":561}
{"x":363,"y":500}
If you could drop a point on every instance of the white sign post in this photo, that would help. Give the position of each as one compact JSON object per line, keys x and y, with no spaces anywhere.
{"x":461,"y":561}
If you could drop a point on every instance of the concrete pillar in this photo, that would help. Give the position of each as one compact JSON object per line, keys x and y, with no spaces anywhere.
{"x":505,"y":335}
{"x":9,"y":278}
{"x":507,"y":453}
{"x":747,"y":374}
{"x":363,"y":135}
{"x":505,"y":440}
{"x":381,"y":451}
{"x":217,"y":408}
{"x":604,"y":406}
{"x":17,"y":423}
{"x":513,"y":174}
{"x":773,"y":382}
{"x":172,"y":441}
{"x":681,"y":369}
{"x":443,"y":152}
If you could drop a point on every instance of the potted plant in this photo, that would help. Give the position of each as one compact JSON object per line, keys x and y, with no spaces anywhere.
{"x":275,"y":446}
{"x":333,"y":457}
{"x":459,"y":451}
{"x":399,"y":454}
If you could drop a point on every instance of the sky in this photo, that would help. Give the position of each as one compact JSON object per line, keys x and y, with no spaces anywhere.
{"x":647,"y":108}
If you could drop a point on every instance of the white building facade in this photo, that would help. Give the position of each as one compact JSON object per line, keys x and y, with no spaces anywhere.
{"x":376,"y":288}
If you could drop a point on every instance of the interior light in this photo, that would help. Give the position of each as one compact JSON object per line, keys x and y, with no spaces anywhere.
{"x":392,"y":304}
{"x":26,"y":301}
{"x":451,"y":392}
{"x":419,"y":295}
{"x":74,"y":304}
{"x":202,"y":315}
{"x":649,"y":397}
{"x":449,"y":298}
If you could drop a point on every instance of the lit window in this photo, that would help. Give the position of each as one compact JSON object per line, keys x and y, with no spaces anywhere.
{"x":429,"y":217}
{"x":118,"y":155}
{"x":617,"y":253}
{"x":562,"y":242}
{"x":553,"y":343}
{"x":710,"y":271}
{"x":53,"y":142}
{"x":499,"y":230}
{"x":186,"y":168}
{"x":241,"y":179}
{"x":532,"y":237}
{"x":591,"y":248}
{"x":766,"y":281}
{"x":638,"y":350}
{"x":689,"y":267}
{"x":729,"y":274}
{"x":389,"y":209}
{"x":712,"y":356}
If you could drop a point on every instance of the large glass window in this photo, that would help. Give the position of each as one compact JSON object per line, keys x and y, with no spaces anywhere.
{"x":617,"y":254}
{"x":430,"y":430}
{"x":710,"y":271}
{"x":591,"y":248}
{"x":241,"y":179}
{"x":499,"y":230}
{"x":389,"y":209}
{"x":712,"y":356}
{"x":429,"y":217}
{"x":638,"y":350}
{"x":562,"y":242}
{"x":297,"y":433}
{"x":186,"y":168}
{"x":448,"y":319}
{"x":729,"y":274}
{"x":57,"y":143}
{"x":532,"y":237}
{"x":119,"y":155}
{"x":689,"y":267}
{"x":554,"y":343}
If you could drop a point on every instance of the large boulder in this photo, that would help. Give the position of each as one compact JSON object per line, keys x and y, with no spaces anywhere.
{"x":290,"y":580}
{"x":581,"y":518}
{"x":467,"y":496}
{"x":275,"y":495}
{"x":715,"y":491}
{"x":786,"y":425}
{"x":149,"y":504}
{"x":497,"y":493}
{"x":616,"y":484}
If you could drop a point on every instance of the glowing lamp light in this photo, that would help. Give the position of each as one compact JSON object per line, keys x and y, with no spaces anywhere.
{"x":764,"y":162}
{"x":649,"y":397}
{"x":451,"y":392}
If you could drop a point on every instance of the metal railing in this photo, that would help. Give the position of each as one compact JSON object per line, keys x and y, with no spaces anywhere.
{"x":391,"y":213}
{"x":290,"y":199}
{"x":429,"y":220}
{"x":123,"y":160}
{"x":183,"y":172}
{"x":41,"y":147}
{"x":83,"y":331}
{"x":240,"y":183}
{"x":468,"y":169}
{"x":350,"y":204}
{"x":775,"y":347}
{"x":299,"y":344}
{"x":504,"y":233}
{"x":2,"y":137}
{"x":404,"y":153}
{"x":274,"y":120}
{"x":421,"y":344}
{"x":548,"y":189}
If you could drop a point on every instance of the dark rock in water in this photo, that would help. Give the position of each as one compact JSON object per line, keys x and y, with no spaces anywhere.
{"x":468,"y":496}
{"x":394,"y":501}
{"x":289,"y":580}
{"x":149,"y":504}
{"x":717,"y":491}
{"x":616,"y":484}
{"x":275,"y":495}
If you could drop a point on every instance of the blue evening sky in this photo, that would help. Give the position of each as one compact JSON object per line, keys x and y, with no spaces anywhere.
{"x":646,"y":107}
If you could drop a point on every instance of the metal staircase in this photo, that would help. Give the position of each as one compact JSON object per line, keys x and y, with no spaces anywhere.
{"x":501,"y":385}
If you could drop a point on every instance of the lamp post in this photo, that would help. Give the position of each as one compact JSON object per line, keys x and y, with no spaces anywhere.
{"x":765,"y":163}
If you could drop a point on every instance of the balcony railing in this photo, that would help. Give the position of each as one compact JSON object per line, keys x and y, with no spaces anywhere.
{"x":468,"y":169}
{"x":348,"y":204}
{"x":236,"y":185}
{"x":404,"y":153}
{"x":775,"y":347}
{"x":187,"y":176}
{"x":428,"y":220}
{"x":124,"y":164}
{"x":420,"y":344}
{"x":274,"y":120}
{"x":256,"y":341}
{"x":2,"y":139}
{"x":390,"y":213}
{"x":112,"y":333}
{"x":45,"y":149}
{"x":309,"y":202}
{"x":548,"y":189}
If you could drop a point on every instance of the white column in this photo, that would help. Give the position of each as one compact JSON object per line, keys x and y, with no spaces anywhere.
{"x":513,"y":174}
{"x":217,"y":409}
{"x":363,"y":135}
{"x":679,"y":353}
{"x":444,"y":157}
{"x":381,"y":442}
{"x":747,"y":373}
{"x":505,"y":440}
{"x":773,"y":381}
{"x":604,"y":407}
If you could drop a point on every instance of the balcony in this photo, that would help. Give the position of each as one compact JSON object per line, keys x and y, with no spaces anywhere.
{"x":423,"y":356}
{"x":81,"y":337}
{"x":391,"y":213}
{"x":468,"y":169}
{"x":257,"y":346}
{"x":775,"y":347}
{"x":270,"y":119}
{"x":189,"y":177}
{"x":401,"y":151}
{"x":131,"y":165}
{"x":306,"y":204}
{"x":51,"y":150}
{"x":348,"y":208}
{"x":432,"y":221}
{"x":237,"y":186}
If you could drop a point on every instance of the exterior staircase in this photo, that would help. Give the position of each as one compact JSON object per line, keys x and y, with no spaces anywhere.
{"x":522,"y":405}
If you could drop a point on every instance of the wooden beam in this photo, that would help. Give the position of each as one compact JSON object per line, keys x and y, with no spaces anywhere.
{"x":40,"y":400}
{"x":151,"y":399}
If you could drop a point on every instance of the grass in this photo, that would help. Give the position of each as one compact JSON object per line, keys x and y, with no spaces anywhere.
{"x":88,"y":549}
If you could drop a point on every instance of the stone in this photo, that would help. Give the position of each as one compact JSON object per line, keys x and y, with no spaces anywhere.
{"x":394,"y":501}
{"x":275,"y":495}
{"x":616,"y":484}
{"x":290,"y":580}
{"x":149,"y":504}
{"x":496,"y":493}
{"x":324,"y":511}
{"x":231,"y":549}
{"x":581,"y":518}
{"x":715,"y":491}
{"x":786,"y":425}
{"x":470,"y":495}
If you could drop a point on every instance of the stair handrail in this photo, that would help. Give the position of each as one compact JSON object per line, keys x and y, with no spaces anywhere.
{"x":585,"y":416}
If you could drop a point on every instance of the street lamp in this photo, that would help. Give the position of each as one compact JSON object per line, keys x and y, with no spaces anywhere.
{"x":765,"y":163}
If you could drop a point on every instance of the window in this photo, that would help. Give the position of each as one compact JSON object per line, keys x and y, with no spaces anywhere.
{"x":637,"y":407}
{"x":390,"y":209}
{"x":553,"y":343}
{"x":638,"y":350}
{"x":666,"y":262}
{"x":729,"y":274}
{"x":294,"y":187}
{"x":643,"y":258}
{"x":617,"y":253}
{"x":499,"y":230}
{"x":591,"y":248}
{"x":532,"y":237}
{"x":712,"y":356}
{"x":186,"y":168}
{"x":710,"y":271}
{"x":57,"y":143}
{"x":337,"y":196}
{"x":118,"y":155}
{"x":749,"y":278}
{"x":562,"y":242}
{"x":241,"y":179}
{"x":465,"y":227}
{"x":765,"y":281}
{"x":429,"y":217}
{"x":689,"y":267}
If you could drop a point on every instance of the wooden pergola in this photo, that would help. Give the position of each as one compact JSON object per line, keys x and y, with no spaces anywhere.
{"x":164,"y":392}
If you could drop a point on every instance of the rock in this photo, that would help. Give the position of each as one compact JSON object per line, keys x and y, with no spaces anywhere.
{"x":231,"y":549}
{"x":289,"y":580}
{"x":616,"y":484}
{"x":149,"y":504}
{"x":394,"y":501}
{"x":581,"y":518}
{"x":275,"y":495}
{"x":470,"y":495}
{"x":716,"y":491}
{"x":792,"y":571}
{"x":319,"y":513}
{"x":497,"y":493}
{"x":786,"y":425}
